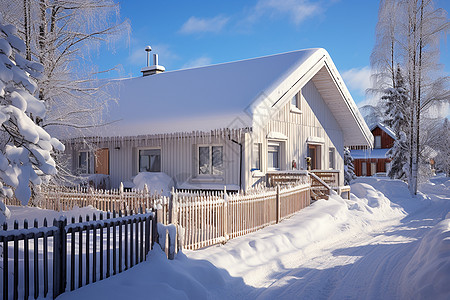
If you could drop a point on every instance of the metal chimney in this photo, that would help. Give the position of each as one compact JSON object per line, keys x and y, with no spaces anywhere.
{"x":155,"y":68}
{"x":148,"y":49}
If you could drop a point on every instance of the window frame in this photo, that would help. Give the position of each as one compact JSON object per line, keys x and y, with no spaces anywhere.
{"x":373,"y":168}
{"x":297,"y":107}
{"x":256,"y":157}
{"x":210,"y":161}
{"x":138,"y":160}
{"x":87,"y":168}
{"x":332,"y":158}
{"x":363,"y":168}
{"x":277,"y":144}
{"x":375,"y":144}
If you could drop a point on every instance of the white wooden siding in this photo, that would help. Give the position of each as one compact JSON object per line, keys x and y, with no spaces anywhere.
{"x":315,"y":121}
{"x":178,"y":155}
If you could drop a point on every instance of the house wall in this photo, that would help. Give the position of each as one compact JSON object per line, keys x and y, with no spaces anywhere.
{"x":178,"y":157}
{"x":386,"y":140}
{"x":315,"y":124}
{"x":380,"y":165}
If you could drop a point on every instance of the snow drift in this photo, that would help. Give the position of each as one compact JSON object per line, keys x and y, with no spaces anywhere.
{"x":156,"y":181}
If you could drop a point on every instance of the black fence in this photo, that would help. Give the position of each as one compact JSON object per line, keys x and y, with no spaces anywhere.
{"x":40,"y":259}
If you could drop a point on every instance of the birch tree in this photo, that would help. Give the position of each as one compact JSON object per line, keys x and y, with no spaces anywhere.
{"x":384,"y":54}
{"x":62,"y":35}
{"x":416,"y":40}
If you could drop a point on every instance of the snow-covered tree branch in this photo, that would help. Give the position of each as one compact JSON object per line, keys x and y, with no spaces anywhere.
{"x":26,"y":147}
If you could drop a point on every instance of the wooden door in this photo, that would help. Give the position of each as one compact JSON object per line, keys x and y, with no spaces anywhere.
{"x":102,"y":161}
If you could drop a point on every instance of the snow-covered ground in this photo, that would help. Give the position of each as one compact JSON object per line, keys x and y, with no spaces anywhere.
{"x":381,"y":244}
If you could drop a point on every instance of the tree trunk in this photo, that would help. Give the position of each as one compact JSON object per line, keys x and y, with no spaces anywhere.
{"x":26,"y":25}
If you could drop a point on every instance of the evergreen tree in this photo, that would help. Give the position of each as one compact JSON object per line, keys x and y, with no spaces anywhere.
{"x":349,"y":168}
{"x":397,"y":103}
{"x":25,"y":146}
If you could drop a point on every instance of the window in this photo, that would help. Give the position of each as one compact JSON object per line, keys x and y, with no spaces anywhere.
{"x":256,"y":157}
{"x":373,"y":168}
{"x":296,"y":102}
{"x":150,"y":160}
{"x":210,"y":160}
{"x":273,"y":158}
{"x":84,"y":162}
{"x":387,"y":166}
{"x":377,"y":142}
{"x":331,"y":159}
{"x":364,"y":169}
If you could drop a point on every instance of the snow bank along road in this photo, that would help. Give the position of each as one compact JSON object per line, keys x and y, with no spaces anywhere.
{"x":381,"y":244}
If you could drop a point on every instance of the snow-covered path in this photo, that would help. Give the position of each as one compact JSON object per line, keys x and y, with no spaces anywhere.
{"x":358,"y":262}
{"x":381,"y":244}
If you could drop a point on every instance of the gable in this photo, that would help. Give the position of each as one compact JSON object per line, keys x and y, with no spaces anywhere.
{"x":386,"y":139}
{"x":320,"y":69}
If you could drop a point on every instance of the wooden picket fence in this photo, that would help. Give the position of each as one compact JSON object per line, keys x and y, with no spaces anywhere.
{"x":60,"y":198}
{"x":62,"y":257}
{"x":206,"y":218}
{"x":213,"y":218}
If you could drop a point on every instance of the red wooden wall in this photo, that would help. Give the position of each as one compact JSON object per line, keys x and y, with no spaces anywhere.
{"x":386,"y":140}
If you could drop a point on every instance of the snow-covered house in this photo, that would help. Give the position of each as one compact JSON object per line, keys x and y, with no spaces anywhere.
{"x":368,"y":162}
{"x":228,"y":124}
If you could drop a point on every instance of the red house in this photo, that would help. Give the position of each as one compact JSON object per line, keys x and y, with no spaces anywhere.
{"x":369,"y":162}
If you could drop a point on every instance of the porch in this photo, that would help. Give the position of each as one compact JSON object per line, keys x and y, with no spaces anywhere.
{"x":322,"y":181}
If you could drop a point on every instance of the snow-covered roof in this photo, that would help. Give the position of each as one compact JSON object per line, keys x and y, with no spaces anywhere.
{"x":368,"y":154}
{"x":230,"y":95}
{"x":383,"y":127}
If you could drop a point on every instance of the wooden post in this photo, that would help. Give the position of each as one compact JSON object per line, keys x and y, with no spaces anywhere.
{"x":154,"y":228}
{"x":171,"y":207}
{"x":278,"y":204}
{"x":59,"y":267}
{"x":225,"y":214}
{"x":173,"y":216}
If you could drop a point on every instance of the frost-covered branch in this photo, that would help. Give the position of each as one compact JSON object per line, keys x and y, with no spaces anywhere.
{"x":26,"y":153}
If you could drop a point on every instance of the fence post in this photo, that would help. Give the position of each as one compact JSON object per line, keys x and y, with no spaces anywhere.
{"x":278,"y":204}
{"x":155,"y":227}
{"x":59,"y":259}
{"x":225,"y":214}
{"x":172,"y":207}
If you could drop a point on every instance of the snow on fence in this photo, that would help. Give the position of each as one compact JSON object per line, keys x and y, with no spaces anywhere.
{"x":65,"y":256}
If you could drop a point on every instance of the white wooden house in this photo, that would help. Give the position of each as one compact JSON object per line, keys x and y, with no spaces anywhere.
{"x":227,"y":124}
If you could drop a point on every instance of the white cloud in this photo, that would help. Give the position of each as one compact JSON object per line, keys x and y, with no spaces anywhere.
{"x":297,"y":10}
{"x":199,"y":25}
{"x":198,"y":62}
{"x":358,"y":79}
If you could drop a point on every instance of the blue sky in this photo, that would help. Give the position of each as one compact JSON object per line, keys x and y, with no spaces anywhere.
{"x":195,"y":33}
